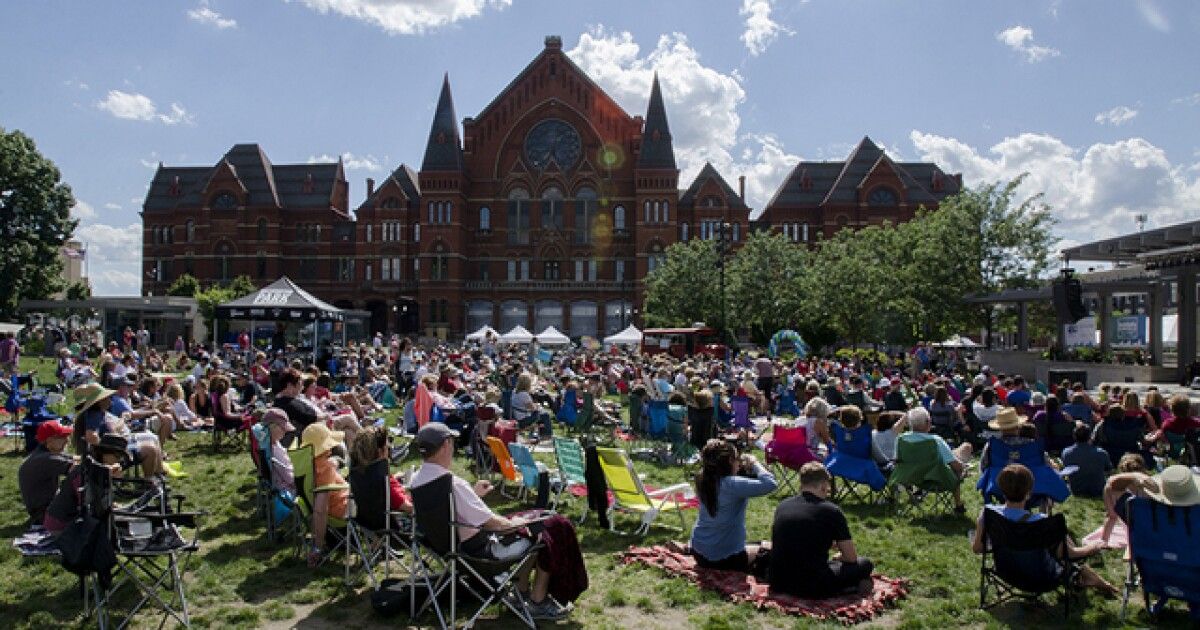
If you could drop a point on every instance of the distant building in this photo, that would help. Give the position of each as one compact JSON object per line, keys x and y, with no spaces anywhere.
{"x":548,"y":207}
{"x":73,"y":256}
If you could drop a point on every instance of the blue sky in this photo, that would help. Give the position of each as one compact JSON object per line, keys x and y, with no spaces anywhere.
{"x":1098,"y":101}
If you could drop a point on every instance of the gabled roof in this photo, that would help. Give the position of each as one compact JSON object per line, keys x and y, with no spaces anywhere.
{"x":854,"y":169}
{"x":443,"y":150}
{"x":657,"y":150}
{"x":405,"y":178}
{"x":255,"y":172}
{"x":709,"y":172}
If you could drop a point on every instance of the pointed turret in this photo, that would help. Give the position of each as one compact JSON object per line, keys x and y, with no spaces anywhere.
{"x":657,"y":150}
{"x":443,"y":151}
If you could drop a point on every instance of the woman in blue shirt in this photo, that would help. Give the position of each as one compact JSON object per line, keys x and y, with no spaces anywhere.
{"x":724,"y":484}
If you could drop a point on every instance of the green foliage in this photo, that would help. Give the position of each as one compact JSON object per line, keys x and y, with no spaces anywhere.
{"x":186,"y":285}
{"x":35,"y":219}
{"x":852,"y":281}
{"x":686,"y":287}
{"x":209,"y":299}
{"x":242,"y":285}
{"x":79,"y":290}
{"x":766,"y":284}
{"x":865,"y":354}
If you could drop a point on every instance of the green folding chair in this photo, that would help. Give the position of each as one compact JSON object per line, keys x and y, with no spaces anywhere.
{"x":920,"y":481}
{"x":571,"y":470}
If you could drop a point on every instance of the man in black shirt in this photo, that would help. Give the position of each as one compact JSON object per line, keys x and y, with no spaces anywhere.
{"x":300,"y":413}
{"x":805,"y":527}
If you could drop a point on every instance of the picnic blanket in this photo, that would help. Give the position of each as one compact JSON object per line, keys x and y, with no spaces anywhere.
{"x":686,"y":502}
{"x":744,"y":588}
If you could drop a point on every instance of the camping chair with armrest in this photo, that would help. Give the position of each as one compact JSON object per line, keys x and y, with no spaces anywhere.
{"x":528,"y":467}
{"x":1047,"y":484}
{"x":920,"y":480}
{"x":587,"y":414}
{"x":1080,"y":412}
{"x":267,"y":495}
{"x":436,"y":532}
{"x":786,"y":452}
{"x":1059,"y":435}
{"x":227,"y":430}
{"x":1118,"y":437}
{"x":572,"y":471}
{"x":508,"y":470}
{"x":637,"y":419}
{"x":787,"y":404}
{"x":854,"y":471}
{"x":1165,"y":554}
{"x":630,"y":496}
{"x":568,"y":410}
{"x":374,"y":532}
{"x":741,"y":412}
{"x":304,"y":472}
{"x":1025,"y":559}
{"x":681,"y":450}
{"x":481,"y":454}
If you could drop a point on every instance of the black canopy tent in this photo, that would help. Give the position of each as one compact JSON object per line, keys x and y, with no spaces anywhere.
{"x":282,"y":300}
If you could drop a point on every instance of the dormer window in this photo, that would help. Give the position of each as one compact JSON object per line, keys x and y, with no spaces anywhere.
{"x":882,"y":197}
{"x":225,"y":201}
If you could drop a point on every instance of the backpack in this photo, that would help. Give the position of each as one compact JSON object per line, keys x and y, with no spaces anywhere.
{"x":86,"y":549}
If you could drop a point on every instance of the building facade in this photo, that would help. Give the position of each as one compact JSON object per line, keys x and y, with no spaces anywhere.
{"x":547,"y":208}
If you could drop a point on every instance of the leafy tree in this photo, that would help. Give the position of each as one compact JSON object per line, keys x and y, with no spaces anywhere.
{"x":766,"y":284}
{"x":35,"y":221}
{"x":685,"y":288}
{"x":851,"y":282}
{"x":186,"y":285}
{"x":242,"y":285}
{"x":209,"y":299}
{"x":79,"y":290}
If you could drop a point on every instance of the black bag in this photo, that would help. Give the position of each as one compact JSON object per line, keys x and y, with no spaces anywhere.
{"x":86,"y":549}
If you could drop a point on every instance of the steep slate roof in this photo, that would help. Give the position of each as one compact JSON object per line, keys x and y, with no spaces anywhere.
{"x":265,"y":183}
{"x":709,"y":172}
{"x":855,"y":168}
{"x":657,"y":150}
{"x":404,"y":177}
{"x":445,"y":155}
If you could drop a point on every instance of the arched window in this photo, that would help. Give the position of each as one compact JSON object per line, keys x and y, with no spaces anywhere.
{"x":656,"y":258}
{"x":552,"y":209}
{"x":190,"y":228}
{"x":485,"y":220}
{"x":619,"y":218}
{"x":666,"y":211}
{"x":447,"y":207}
{"x":547,"y":313}
{"x":513,"y":313}
{"x":479,"y":314}
{"x":432,"y":212}
{"x":683,"y":231}
{"x":585,"y":215}
{"x":518,"y":217}
{"x":223,"y":251}
{"x":224,"y":201}
{"x":646,"y":207}
{"x":882,"y":196}
{"x":262,"y":229}
{"x":583,"y":319}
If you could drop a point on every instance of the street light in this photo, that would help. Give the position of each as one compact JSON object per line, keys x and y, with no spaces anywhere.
{"x":723,"y":234}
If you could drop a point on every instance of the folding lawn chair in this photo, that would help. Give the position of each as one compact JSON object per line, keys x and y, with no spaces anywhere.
{"x":572,"y":470}
{"x":587,"y":414}
{"x":855,"y":474}
{"x":481,"y":454}
{"x":1025,"y":559}
{"x":529,"y":468}
{"x":1118,"y":437}
{"x":1163,"y":542}
{"x":787,"y":405}
{"x":568,"y":411}
{"x":508,"y":470}
{"x":226,"y":430}
{"x":741,"y":412}
{"x":490,"y":581}
{"x":637,"y":419}
{"x":305,"y":476}
{"x":374,"y":532}
{"x":786,"y":452}
{"x":630,"y":496}
{"x":920,"y":480}
{"x":1047,"y":484}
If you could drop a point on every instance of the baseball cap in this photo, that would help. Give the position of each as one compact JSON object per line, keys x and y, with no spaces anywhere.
{"x":275,"y":415}
{"x":431,"y":437}
{"x":51,"y":429}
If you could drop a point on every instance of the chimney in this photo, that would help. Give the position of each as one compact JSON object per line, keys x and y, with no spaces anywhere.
{"x":742,"y":187}
{"x":370,"y":187}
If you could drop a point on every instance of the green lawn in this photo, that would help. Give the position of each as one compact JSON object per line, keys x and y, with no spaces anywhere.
{"x":241,"y":580}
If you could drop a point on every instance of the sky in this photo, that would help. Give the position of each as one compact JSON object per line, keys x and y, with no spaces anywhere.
{"x":1098,"y":101}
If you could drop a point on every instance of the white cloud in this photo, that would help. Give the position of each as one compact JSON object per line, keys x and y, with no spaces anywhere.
{"x":83,"y":210}
{"x":350,"y":161}
{"x":1191,"y":100}
{"x":406,"y":17}
{"x":112,"y":206}
{"x":205,"y":15}
{"x":1020,"y":39}
{"x":75,"y":83}
{"x":1116,"y":116}
{"x":1153,"y":15}
{"x":134,"y":106}
{"x":1094,"y":192}
{"x":761,"y":30}
{"x":701,"y":104}
{"x":114,"y":257}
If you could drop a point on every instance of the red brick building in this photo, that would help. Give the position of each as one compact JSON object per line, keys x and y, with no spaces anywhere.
{"x":548,"y":207}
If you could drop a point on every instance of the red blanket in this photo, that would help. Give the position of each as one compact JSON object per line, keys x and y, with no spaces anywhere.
{"x":741,"y":587}
{"x":686,"y":502}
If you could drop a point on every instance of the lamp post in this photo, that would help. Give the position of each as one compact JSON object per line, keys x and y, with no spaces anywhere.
{"x":723,"y":234}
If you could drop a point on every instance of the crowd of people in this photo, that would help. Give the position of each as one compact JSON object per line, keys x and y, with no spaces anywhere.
{"x":132,"y":401}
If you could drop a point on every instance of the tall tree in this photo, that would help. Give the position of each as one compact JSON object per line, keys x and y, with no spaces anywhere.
{"x":852,"y":278}
{"x":35,"y":222}
{"x":186,"y":285}
{"x":684,"y":288}
{"x":767,"y":287}
{"x":79,"y":290}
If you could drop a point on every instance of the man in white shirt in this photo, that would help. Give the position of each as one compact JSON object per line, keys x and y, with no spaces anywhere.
{"x":436,"y":444}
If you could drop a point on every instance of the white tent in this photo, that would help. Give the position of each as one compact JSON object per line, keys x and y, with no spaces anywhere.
{"x":629,"y":337}
{"x":517,"y":335}
{"x":552,"y":337}
{"x":482,"y":333}
{"x":957,"y":341}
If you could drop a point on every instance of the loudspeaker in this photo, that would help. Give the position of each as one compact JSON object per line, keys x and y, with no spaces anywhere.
{"x":1068,"y":300}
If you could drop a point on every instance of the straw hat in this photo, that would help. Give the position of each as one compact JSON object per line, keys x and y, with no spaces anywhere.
{"x":1177,"y":486}
{"x":320,"y":437}
{"x":90,"y":394}
{"x":1006,"y":419}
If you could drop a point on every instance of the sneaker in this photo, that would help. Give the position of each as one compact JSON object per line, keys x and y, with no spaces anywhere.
{"x":546,"y":610}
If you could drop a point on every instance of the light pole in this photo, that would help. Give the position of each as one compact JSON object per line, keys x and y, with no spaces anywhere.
{"x":723,"y":234}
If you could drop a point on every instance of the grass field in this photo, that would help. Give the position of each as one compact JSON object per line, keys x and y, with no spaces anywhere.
{"x":240,"y":580}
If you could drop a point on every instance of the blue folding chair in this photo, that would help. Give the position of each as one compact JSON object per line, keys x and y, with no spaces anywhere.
{"x":851,"y":462}
{"x":741,"y":412}
{"x":528,"y":468}
{"x":787,"y":404}
{"x":568,"y":411}
{"x":1032,"y":455}
{"x":1164,"y":542}
{"x":658,"y":412}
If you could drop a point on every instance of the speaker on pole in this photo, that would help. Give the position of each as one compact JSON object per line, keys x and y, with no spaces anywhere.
{"x":1068,"y":298}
